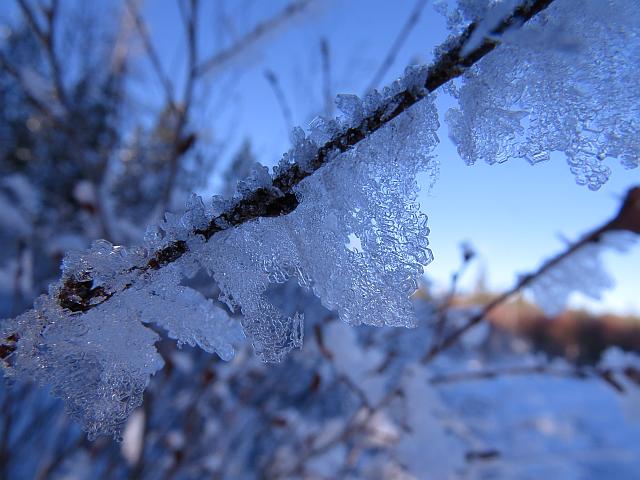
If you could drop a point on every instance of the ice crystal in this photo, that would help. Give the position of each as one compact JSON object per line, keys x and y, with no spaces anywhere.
{"x":99,"y":362}
{"x":356,"y":239}
{"x":258,"y":178}
{"x":366,"y":193}
{"x":564,"y":82}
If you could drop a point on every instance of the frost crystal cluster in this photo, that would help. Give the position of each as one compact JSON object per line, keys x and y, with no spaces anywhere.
{"x":564,"y":82}
{"x":356,"y":239}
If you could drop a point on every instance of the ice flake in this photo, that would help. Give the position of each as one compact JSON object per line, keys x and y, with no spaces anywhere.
{"x":302,"y":153}
{"x":258,"y":178}
{"x":195,"y":215}
{"x":184,"y":313}
{"x":351,"y":107}
{"x":563,"y":82}
{"x":99,"y":362}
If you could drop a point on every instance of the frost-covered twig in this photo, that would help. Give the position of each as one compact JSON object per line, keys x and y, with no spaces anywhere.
{"x":79,"y":295}
{"x":627,"y":219}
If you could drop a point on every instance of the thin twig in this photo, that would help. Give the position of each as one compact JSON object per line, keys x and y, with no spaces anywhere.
{"x":47,"y":37}
{"x":182,"y":142}
{"x":542,"y":369}
{"x":607,"y":375}
{"x":281,"y":98}
{"x":443,"y":308}
{"x":152,"y":54}
{"x":411,"y":22}
{"x":259,"y":31}
{"x":31,"y":98}
{"x":327,"y":95}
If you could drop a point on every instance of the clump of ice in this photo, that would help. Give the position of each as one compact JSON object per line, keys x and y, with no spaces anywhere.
{"x":564,"y":82}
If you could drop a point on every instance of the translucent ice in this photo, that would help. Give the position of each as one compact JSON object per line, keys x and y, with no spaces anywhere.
{"x":567,"y":82}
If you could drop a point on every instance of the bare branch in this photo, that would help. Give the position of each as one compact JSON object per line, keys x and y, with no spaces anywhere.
{"x":258,"y":32}
{"x":443,"y":308}
{"x":607,"y":375}
{"x":627,"y":218}
{"x":541,"y":369}
{"x":182,"y":142}
{"x":47,"y":37}
{"x":152,"y":54}
{"x":191,"y":24}
{"x":411,"y":22}
{"x":31,"y":97}
{"x":325,"y":57}
{"x":280,"y":97}
{"x":30,"y":17}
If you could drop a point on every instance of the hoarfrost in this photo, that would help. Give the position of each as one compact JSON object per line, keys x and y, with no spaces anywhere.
{"x":99,"y":356}
{"x":99,"y":362}
{"x":539,"y":93}
{"x":368,"y":192}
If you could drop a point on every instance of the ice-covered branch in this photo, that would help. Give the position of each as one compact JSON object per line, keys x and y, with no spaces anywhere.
{"x":79,"y":295}
{"x":338,"y":215}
